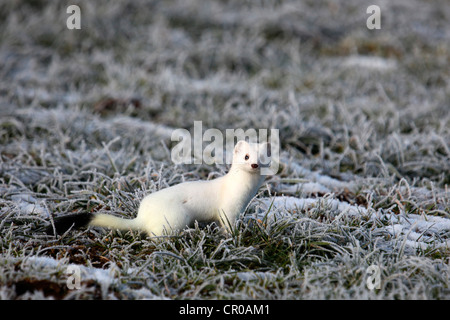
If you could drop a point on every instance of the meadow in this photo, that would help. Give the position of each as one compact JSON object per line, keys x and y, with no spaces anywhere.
{"x":360,"y":206}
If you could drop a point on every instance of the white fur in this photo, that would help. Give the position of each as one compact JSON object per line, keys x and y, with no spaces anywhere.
{"x":220,"y":200}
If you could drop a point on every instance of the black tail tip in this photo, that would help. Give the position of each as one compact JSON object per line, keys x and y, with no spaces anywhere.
{"x":64,"y":223}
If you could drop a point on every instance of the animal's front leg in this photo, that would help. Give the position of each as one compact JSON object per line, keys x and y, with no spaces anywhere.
{"x":226,"y":223}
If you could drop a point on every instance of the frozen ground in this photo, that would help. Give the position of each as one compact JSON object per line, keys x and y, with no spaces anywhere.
{"x":86,"y":118}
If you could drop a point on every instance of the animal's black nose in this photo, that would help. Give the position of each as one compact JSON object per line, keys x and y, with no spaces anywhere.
{"x":254,"y":165}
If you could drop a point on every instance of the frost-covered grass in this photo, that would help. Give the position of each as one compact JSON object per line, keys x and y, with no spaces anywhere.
{"x":86,"y":118}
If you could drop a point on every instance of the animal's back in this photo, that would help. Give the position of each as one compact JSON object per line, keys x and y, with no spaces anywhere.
{"x":178,"y":206}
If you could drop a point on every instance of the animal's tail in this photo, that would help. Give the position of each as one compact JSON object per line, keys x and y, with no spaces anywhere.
{"x":64,"y":223}
{"x":112,"y":222}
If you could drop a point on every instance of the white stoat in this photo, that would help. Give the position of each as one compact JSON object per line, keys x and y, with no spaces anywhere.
{"x":174,"y":208}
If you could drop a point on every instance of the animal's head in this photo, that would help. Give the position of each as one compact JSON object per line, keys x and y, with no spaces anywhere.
{"x":251,"y":157}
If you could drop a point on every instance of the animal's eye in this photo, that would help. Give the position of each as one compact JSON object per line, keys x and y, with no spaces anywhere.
{"x":247,"y":157}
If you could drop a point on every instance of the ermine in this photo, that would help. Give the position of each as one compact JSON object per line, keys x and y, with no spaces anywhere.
{"x":174,"y":208}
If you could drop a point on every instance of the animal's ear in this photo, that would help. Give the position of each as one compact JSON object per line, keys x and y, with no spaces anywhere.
{"x":240,"y":146}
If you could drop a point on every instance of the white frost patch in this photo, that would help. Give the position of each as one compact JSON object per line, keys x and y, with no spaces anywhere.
{"x":419,"y":231}
{"x":318,"y":181}
{"x":29,"y":205}
{"x":306,"y":187}
{"x":368,"y":62}
{"x":104,"y":277}
{"x":173,"y":82}
{"x":278,"y":205}
{"x":254,"y":276}
{"x":416,"y":231}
